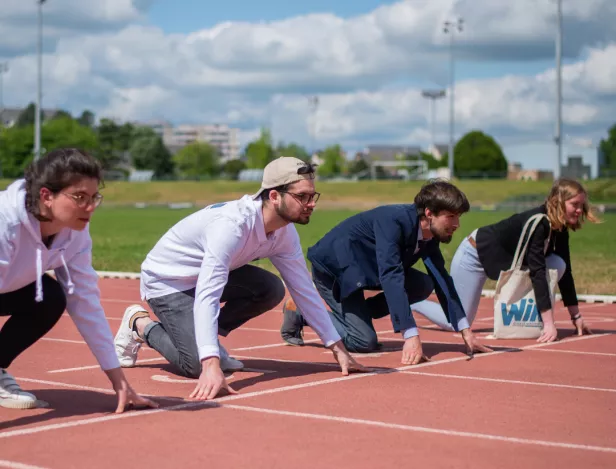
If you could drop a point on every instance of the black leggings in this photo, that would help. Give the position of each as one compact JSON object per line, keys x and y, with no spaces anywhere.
{"x":29,"y":320}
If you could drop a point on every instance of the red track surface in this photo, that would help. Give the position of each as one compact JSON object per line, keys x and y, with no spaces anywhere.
{"x":540,"y":406}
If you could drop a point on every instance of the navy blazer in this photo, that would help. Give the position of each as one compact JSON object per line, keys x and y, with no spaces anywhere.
{"x":374,"y":250}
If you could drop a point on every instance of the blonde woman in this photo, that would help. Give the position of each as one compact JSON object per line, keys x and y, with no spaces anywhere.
{"x":490,"y":250}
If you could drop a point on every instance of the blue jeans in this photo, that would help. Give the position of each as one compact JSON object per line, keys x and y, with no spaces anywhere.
{"x":250,"y":292}
{"x":469,"y":278}
{"x":353,"y":316}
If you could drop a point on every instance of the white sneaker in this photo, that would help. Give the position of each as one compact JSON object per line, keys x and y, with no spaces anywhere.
{"x":127,"y":342}
{"x":228,"y":363}
{"x":11,"y":395}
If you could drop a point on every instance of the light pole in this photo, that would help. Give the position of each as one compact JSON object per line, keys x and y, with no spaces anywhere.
{"x":450,"y":27}
{"x":39,"y":54}
{"x":433,"y":95}
{"x":559,"y":91}
{"x":4,"y":67}
{"x":314,"y":104}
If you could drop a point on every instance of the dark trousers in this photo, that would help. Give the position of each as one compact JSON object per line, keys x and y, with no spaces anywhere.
{"x":354,"y":315}
{"x":250,"y":292}
{"x":29,"y":320}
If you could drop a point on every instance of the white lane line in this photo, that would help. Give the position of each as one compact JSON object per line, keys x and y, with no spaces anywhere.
{"x":509,"y":381}
{"x":578,"y":352}
{"x":17,"y":465}
{"x":413,"y":428}
{"x":91,"y":367}
{"x":188,"y":405}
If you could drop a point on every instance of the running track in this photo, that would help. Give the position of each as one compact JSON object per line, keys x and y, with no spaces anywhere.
{"x":528,"y":405}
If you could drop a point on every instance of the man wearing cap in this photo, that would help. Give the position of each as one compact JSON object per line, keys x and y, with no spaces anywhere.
{"x":203,"y":261}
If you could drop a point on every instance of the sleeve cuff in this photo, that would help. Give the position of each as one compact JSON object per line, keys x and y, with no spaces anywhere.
{"x":463,"y":324}
{"x":207,"y":351}
{"x":408,"y":333}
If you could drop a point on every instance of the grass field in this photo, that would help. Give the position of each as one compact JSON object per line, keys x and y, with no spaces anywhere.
{"x":123,"y":236}
{"x":335,"y":194}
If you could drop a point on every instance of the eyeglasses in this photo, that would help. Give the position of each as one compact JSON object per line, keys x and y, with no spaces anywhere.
{"x":84,"y":200}
{"x":304,"y":199}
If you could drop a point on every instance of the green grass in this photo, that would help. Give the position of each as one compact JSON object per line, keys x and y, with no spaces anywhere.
{"x":123,"y":237}
{"x":335,"y":194}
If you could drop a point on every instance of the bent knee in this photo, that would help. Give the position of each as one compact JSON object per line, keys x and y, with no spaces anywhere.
{"x":273,"y":290}
{"x":190,"y":367}
{"x":54,"y":299}
{"x":554,"y":261}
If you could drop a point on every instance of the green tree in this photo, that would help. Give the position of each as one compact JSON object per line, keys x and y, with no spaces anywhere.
{"x":149,"y":152}
{"x":608,"y":148}
{"x":86,"y":119}
{"x":232,"y":168}
{"x":478,"y":154}
{"x":197,"y":159}
{"x":27,"y":116}
{"x":294,"y":150}
{"x":333,"y":161}
{"x":260,"y":152}
{"x":65,"y":131}
{"x":114,"y":141}
{"x":16,"y":145}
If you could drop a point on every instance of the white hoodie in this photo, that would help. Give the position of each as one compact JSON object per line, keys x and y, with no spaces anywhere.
{"x":24,"y":258}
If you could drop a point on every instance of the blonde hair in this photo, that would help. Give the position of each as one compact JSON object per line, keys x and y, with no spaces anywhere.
{"x":562,"y":190}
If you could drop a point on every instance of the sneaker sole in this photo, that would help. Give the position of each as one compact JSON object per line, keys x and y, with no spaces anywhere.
{"x":17,"y":404}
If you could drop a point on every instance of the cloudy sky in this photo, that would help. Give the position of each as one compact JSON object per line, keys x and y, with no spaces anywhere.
{"x":253,"y":64}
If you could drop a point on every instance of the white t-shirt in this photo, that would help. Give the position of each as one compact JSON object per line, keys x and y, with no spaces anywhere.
{"x":200,"y":250}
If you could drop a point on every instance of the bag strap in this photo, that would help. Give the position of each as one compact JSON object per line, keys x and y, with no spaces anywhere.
{"x":520,"y":252}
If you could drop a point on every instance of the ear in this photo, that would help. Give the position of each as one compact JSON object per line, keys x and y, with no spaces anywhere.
{"x":428,"y":213}
{"x":45,"y":196}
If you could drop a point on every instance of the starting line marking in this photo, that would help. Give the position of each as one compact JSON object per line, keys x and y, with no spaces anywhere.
{"x":508,"y":381}
{"x":17,"y":465}
{"x":169,"y":379}
{"x":217,"y":403}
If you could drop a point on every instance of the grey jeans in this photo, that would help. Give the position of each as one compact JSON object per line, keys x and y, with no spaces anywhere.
{"x":353,"y":317}
{"x":250,"y":292}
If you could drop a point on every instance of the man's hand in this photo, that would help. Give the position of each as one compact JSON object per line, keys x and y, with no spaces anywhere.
{"x":211,"y":381}
{"x":472,"y":344}
{"x":412,"y":352}
{"x":126,"y":395}
{"x":344,"y":358}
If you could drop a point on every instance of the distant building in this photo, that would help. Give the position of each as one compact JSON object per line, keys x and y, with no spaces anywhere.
{"x":221,"y":136}
{"x":516,"y":173}
{"x":576,"y":169}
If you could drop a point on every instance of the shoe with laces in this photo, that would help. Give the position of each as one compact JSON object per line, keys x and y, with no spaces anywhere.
{"x":127,"y":342}
{"x":228,"y":363}
{"x":11,"y":394}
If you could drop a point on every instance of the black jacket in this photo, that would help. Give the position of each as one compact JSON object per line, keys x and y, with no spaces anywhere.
{"x":496,"y":245}
{"x":373,"y":250}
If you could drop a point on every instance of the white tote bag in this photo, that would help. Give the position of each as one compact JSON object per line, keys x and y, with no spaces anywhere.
{"x":516,"y":315}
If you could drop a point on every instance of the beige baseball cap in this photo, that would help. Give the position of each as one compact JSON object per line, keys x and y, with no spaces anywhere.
{"x":284,"y":170}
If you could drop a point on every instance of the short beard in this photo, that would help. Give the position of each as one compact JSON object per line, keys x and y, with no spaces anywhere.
{"x":442,"y":238}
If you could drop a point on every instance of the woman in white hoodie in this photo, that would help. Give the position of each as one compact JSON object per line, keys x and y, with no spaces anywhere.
{"x":43,"y":227}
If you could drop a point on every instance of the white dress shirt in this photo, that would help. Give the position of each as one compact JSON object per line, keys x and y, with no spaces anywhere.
{"x":200,"y":250}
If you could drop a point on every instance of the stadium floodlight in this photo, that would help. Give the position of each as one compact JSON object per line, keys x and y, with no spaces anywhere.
{"x":450,"y":27}
{"x":433,"y":95}
{"x":559,"y":88}
{"x":39,"y":55}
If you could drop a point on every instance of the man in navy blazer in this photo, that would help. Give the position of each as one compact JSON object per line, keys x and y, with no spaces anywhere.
{"x":375,"y":250}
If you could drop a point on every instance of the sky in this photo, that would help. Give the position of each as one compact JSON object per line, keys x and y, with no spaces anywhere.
{"x":253,"y":64}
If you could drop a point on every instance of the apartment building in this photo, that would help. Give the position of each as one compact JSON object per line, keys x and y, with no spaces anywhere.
{"x":221,"y":136}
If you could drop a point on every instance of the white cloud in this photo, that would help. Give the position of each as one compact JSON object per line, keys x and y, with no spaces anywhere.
{"x":254,"y":75}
